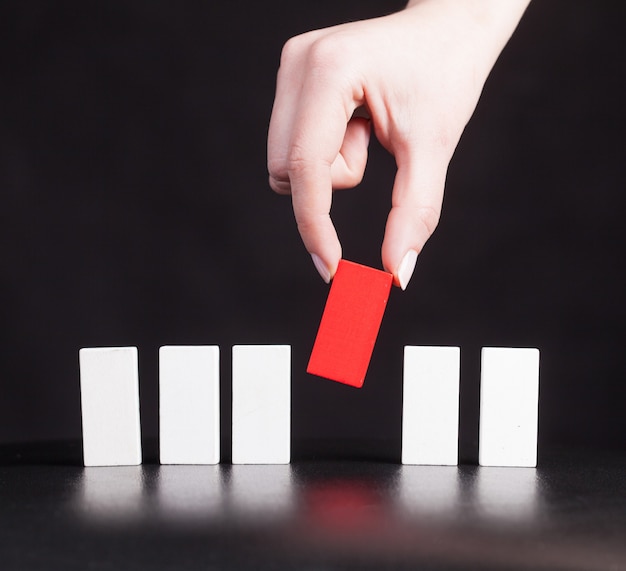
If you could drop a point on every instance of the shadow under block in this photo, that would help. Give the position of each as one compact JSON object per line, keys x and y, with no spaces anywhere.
{"x":509,"y":398}
{"x":430,"y":406}
{"x":261,"y":404}
{"x":350,"y":323}
{"x":109,"y":387}
{"x":189,"y":405}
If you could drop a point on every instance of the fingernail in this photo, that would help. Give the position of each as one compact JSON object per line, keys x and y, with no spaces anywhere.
{"x":321,"y":268}
{"x":406,"y":267}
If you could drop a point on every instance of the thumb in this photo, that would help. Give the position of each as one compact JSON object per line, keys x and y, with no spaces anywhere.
{"x":416,"y":206}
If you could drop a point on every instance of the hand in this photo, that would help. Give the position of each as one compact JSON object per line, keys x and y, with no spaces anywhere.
{"x":418,"y":75}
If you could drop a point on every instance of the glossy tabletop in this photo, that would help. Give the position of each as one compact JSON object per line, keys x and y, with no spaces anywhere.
{"x":315,"y":514}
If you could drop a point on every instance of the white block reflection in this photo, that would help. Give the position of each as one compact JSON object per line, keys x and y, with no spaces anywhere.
{"x":111,"y":494}
{"x":431,"y":491}
{"x":507,"y":495}
{"x":261,"y":492}
{"x":189,"y":493}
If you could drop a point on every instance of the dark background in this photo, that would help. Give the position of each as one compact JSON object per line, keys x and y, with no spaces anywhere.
{"x":135,"y":210}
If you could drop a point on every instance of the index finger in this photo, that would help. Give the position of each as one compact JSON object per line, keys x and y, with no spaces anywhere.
{"x":319,"y":126}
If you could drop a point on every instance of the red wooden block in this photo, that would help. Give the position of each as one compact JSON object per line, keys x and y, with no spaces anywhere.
{"x":350,"y":323}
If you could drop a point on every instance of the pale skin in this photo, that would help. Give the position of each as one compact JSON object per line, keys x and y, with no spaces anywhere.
{"x":415,"y":77}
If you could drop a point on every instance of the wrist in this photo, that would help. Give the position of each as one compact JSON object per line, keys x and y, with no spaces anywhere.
{"x":503,"y":14}
{"x":490,"y":22}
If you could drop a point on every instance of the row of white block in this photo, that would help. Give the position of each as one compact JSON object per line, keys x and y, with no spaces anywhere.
{"x":189,"y":405}
{"x":509,"y":398}
{"x":261,"y":405}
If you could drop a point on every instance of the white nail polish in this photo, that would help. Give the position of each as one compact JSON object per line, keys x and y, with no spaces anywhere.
{"x":406,"y":267}
{"x":321,"y":268}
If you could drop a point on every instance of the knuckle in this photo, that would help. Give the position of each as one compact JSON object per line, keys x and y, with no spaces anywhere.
{"x":351,"y":177}
{"x":304,"y":219}
{"x":331,"y":54}
{"x":298,"y":160}
{"x":291,"y":49}
{"x":296,"y":154}
{"x":273,"y":184}
{"x":428,"y":217}
{"x":310,"y":223}
{"x":279,"y":180}
{"x":437,"y":137}
{"x":277,"y":169}
{"x":323,"y":53}
{"x":354,"y":178}
{"x":279,"y":186}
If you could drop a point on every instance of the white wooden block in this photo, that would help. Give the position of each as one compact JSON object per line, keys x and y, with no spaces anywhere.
{"x":261,"y":404}
{"x":430,"y":406}
{"x":509,"y":397}
{"x":109,"y":384}
{"x":189,"y":404}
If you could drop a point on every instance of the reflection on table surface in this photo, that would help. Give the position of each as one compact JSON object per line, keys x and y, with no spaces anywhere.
{"x":566,"y":514}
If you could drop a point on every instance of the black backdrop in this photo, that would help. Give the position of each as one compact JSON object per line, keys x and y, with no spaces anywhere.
{"x":135,"y":211}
